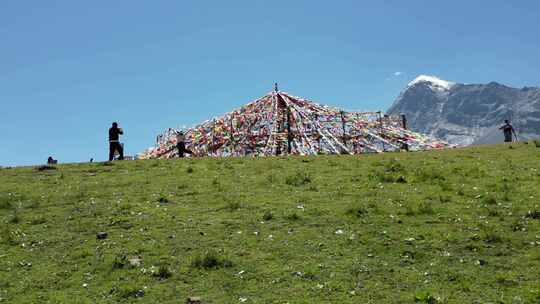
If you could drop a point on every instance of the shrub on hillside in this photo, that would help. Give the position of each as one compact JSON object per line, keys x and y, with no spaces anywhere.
{"x":210,"y":260}
{"x":163,"y":272}
{"x":45,"y":168}
{"x":299,"y":179}
{"x":268,"y":216}
{"x":426,"y":207}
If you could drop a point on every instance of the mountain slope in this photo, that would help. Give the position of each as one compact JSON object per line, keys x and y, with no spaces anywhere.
{"x":468,"y":113}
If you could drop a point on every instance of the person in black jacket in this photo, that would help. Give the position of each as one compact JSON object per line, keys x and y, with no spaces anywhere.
{"x":181,"y":145}
{"x":508,"y":131}
{"x":114,"y":143}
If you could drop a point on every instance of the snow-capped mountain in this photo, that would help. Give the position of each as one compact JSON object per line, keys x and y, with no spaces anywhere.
{"x":468,"y":113}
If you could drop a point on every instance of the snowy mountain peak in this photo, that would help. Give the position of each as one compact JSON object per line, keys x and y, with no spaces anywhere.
{"x":433,"y":81}
{"x":468,"y":113}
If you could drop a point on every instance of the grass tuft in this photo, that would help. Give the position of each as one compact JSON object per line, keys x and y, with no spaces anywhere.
{"x":163,"y":199}
{"x":163,"y":272}
{"x":39,"y":219}
{"x":426,"y":207}
{"x":268,"y":215}
{"x":210,"y":260}
{"x":490,"y":200}
{"x":45,"y":168}
{"x":299,"y":179}
{"x":291,"y":217}
{"x":491,"y":235}
{"x":6,"y":204}
{"x":358,"y":211}
{"x":15,"y":218}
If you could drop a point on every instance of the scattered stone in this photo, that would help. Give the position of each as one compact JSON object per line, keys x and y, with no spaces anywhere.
{"x":102,"y":235}
{"x":410,"y":240}
{"x":533,"y":215}
{"x":339,"y":231}
{"x":194,"y":300}
{"x":481,"y":262}
{"x":135,"y":261}
{"x":401,"y":179}
{"x":240,"y":273}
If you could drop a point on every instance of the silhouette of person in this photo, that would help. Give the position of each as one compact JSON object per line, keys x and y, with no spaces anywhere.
{"x":181,"y":144}
{"x":508,"y":131}
{"x":114,"y":143}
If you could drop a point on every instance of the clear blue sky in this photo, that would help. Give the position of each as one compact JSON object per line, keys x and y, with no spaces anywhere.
{"x":70,"y":68}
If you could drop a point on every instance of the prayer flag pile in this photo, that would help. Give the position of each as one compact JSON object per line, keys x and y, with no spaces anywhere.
{"x":282,"y":124}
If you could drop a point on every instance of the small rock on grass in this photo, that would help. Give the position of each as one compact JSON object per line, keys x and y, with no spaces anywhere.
{"x":102,"y":235}
{"x":135,"y":261}
{"x":194,"y":300}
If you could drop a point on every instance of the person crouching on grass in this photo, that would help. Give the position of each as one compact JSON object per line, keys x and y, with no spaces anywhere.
{"x":181,"y":144}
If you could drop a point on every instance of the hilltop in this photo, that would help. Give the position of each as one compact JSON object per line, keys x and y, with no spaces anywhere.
{"x":445,"y":226}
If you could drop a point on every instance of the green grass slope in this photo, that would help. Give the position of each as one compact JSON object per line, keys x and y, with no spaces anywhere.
{"x":455,"y":226}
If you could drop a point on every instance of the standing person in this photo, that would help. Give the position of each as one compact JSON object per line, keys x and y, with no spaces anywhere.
{"x":181,"y":144}
{"x":508,"y":131}
{"x":114,"y":143}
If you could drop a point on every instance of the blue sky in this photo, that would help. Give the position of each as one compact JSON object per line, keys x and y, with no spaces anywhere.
{"x":70,"y":68}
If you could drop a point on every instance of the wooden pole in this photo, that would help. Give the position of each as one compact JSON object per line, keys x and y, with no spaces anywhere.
{"x":211,"y":148}
{"x":284,"y":115}
{"x":289,"y":134}
{"x":316,"y":120}
{"x":380,"y":130}
{"x":342,"y":113}
{"x":233,"y":144}
{"x":404,"y":121}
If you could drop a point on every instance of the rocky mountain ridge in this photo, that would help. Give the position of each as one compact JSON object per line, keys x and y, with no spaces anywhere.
{"x":468,"y":113}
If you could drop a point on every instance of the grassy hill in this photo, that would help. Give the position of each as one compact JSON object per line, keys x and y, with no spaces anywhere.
{"x":455,"y":226}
